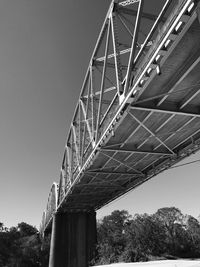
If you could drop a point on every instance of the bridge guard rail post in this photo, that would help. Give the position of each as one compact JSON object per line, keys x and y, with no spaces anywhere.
{"x":73,"y":239}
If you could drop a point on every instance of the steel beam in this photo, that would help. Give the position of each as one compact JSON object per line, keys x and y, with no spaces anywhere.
{"x":112,"y":103}
{"x":69,"y":164}
{"x":129,"y":167}
{"x":77,"y":151}
{"x":122,"y":144}
{"x":128,"y":2}
{"x":165,"y":122}
{"x":153,"y":29}
{"x":88,"y":194}
{"x":189,"y":97}
{"x":160,"y":127}
{"x":170,"y":108}
{"x":107,"y":90}
{"x":98,"y":185}
{"x":121,"y":150}
{"x":87,"y":123}
{"x":132,"y":12}
{"x":153,"y":98}
{"x":133,"y":46}
{"x":175,"y":132}
{"x":120,"y":52}
{"x":125,"y":25}
{"x":136,"y":129}
{"x":93,"y":108}
{"x":112,"y":172}
{"x":148,"y":130}
{"x":171,"y":135}
{"x":118,"y":68}
{"x":109,"y":64}
{"x":183,"y":74}
{"x":102,"y":83}
{"x":189,"y":137}
{"x":85,"y":115}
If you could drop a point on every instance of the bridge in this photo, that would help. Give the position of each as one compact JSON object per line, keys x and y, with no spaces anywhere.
{"x":137,"y":115}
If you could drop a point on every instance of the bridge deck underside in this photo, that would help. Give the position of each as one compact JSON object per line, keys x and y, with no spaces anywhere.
{"x":158,"y":130}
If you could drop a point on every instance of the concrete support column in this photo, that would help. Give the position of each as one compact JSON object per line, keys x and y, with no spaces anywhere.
{"x":73,"y":239}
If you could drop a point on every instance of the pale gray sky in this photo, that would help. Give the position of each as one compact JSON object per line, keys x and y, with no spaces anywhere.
{"x":45,"y":47}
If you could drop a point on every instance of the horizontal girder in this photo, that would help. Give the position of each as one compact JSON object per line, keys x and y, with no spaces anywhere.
{"x":170,"y":108}
{"x":122,"y":150}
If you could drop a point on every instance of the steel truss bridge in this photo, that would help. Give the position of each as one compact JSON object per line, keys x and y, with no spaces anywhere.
{"x":139,"y":108}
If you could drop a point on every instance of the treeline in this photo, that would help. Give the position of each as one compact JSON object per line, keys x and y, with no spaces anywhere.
{"x":21,"y":247}
{"x":121,"y":238}
{"x":163,"y":235}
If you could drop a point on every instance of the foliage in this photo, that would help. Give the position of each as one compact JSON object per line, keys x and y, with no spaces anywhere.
{"x":111,"y":236}
{"x":21,"y":246}
{"x":26,"y":229}
{"x":121,"y":238}
{"x":164,"y":234}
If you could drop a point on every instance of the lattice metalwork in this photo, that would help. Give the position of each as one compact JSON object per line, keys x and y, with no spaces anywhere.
{"x":50,"y":209}
{"x":130,"y":53}
{"x":121,"y":44}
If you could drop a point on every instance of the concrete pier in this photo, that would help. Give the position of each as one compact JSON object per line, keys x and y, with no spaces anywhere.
{"x":73,"y":239}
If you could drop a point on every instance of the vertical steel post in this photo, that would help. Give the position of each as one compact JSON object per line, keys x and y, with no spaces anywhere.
{"x":133,"y":45}
{"x":102,"y":82}
{"x":118,"y":66}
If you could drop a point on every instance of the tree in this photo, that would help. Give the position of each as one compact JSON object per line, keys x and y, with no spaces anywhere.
{"x":19,"y":246}
{"x":173,"y":220}
{"x":145,"y":236}
{"x":44,"y":250}
{"x":193,"y":233}
{"x":111,"y":236}
{"x":26,"y":229}
{"x":1,"y":226}
{"x":8,"y":244}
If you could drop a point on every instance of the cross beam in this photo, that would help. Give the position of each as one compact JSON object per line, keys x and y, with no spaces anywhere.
{"x":112,"y":172}
{"x":139,"y":151}
{"x":101,"y":185}
{"x":148,"y":130}
{"x":170,"y":108}
{"x":132,"y":12}
{"x":124,"y":164}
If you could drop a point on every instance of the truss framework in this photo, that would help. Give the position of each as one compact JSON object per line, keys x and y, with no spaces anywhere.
{"x":113,"y":78}
{"x":107,"y":81}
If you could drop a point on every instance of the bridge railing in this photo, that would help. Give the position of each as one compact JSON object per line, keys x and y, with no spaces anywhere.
{"x":123,"y":51}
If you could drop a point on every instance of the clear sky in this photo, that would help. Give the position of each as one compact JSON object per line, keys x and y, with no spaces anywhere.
{"x":45,"y":47}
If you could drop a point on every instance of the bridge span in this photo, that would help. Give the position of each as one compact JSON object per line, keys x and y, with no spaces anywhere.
{"x":137,"y":115}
